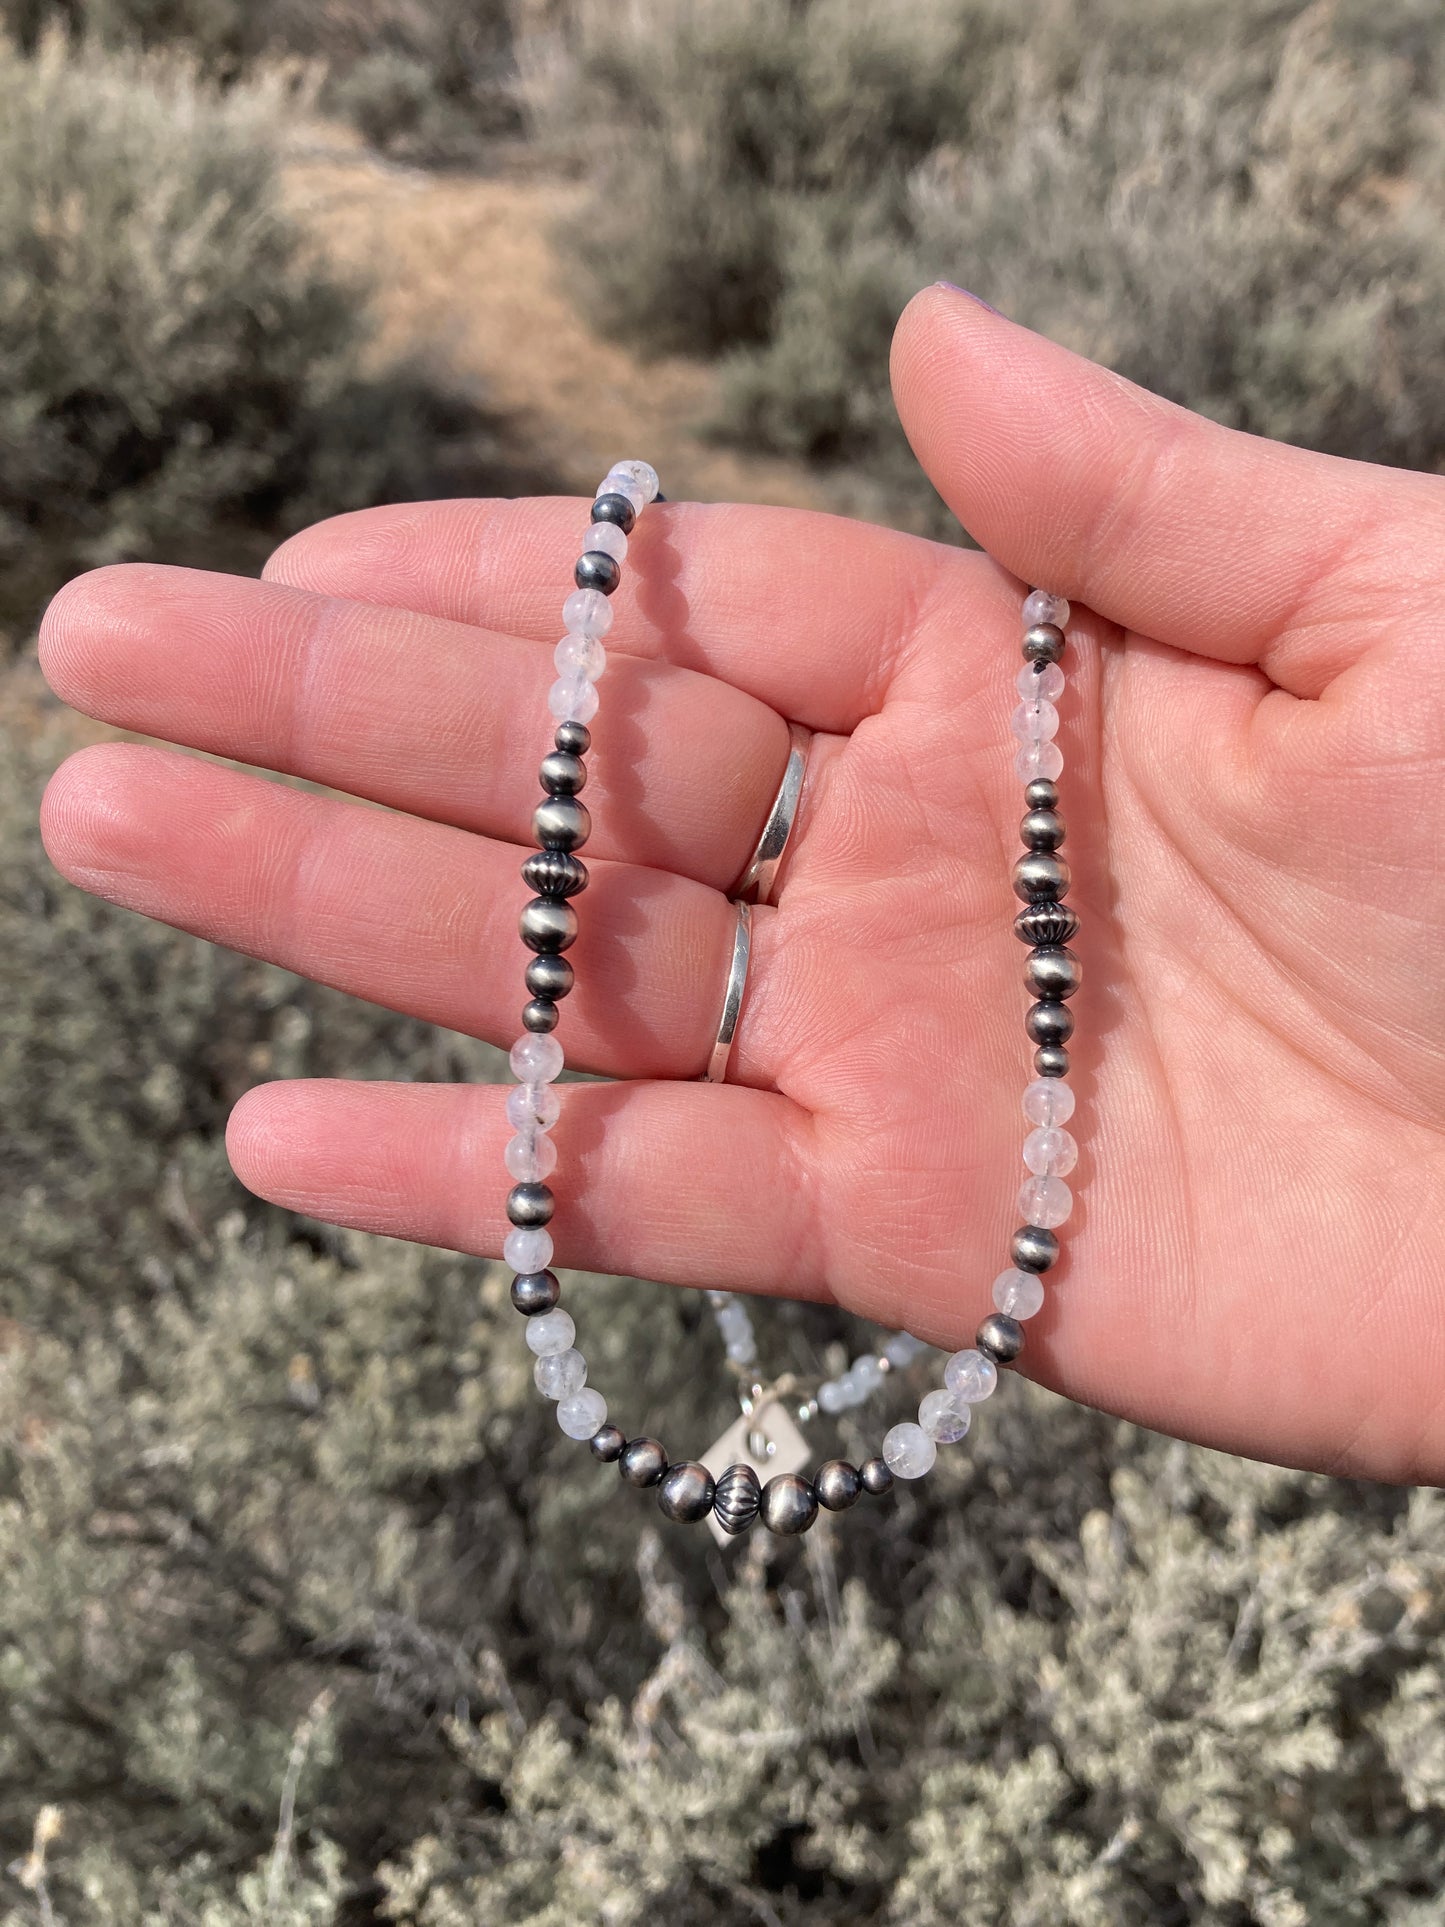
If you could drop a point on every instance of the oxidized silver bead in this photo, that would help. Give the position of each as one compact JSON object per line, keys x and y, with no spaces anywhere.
{"x":737,"y":1498}
{"x":1042,"y":794}
{"x":1000,"y":1338}
{"x":1046,"y":924}
{"x":1033,"y":1248}
{"x":550,"y":976}
{"x":1042,"y":830}
{"x":1040,"y":876}
{"x":837,"y":1485}
{"x":561,"y":823}
{"x":535,"y":1291}
{"x":642,"y":1462}
{"x":1054,"y":972}
{"x":617,"y":509}
{"x":555,"y":873}
{"x":877,"y":1476}
{"x":539,"y":1016}
{"x":1051,"y":1060}
{"x":548,"y":925}
{"x":574,"y":737}
{"x":530,"y":1204}
{"x":685,"y":1493}
{"x":607,"y":1444}
{"x":1043,"y":643}
{"x":1049,"y":1023}
{"x":789,"y":1504}
{"x":595,"y":570}
{"x":561,"y":773}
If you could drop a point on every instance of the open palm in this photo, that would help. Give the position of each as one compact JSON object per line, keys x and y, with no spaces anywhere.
{"x":1254,"y":733}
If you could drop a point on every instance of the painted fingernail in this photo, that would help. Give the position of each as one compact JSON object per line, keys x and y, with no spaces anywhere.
{"x":954,"y":288}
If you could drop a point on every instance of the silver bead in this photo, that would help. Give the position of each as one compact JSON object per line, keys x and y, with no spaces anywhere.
{"x":1045,"y":924}
{"x":1000,"y":1338}
{"x":877,"y":1476}
{"x":561,"y":823}
{"x":531,"y":1204}
{"x":837,"y":1485}
{"x":615,"y":508}
{"x":562,"y":774}
{"x":555,"y":873}
{"x":642,"y":1462}
{"x":737,"y":1498}
{"x":550,"y":976}
{"x":574,"y":737}
{"x":535,"y":1291}
{"x":540,"y":1016}
{"x":1042,"y":794}
{"x":1049,"y":1023}
{"x":1040,"y":830}
{"x":1033,"y":1248}
{"x":1051,"y":1060}
{"x":1040,"y":877}
{"x":595,"y":570}
{"x":1043,"y":643}
{"x":1054,"y":973}
{"x":607,"y":1444}
{"x":548,"y":925}
{"x":789,"y":1504}
{"x":685,"y":1493}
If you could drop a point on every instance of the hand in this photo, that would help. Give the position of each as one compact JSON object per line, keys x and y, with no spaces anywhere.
{"x":1255,"y":739}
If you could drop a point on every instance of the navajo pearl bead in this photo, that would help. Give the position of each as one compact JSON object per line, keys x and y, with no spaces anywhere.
{"x":550,"y":976}
{"x":1018,"y":1294}
{"x":596,"y":571}
{"x":561,"y":823}
{"x":1040,"y":606}
{"x":685,"y":1493}
{"x":575,"y":739}
{"x":789,"y":1504}
{"x":555,"y":873}
{"x":586,"y":612}
{"x":1000,"y":1337}
{"x":540,"y":1015}
{"x":908,"y":1451}
{"x":549,"y":1333}
{"x":562,"y":774}
{"x":970,"y":1377}
{"x":533,"y":1106}
{"x":1045,"y":924}
{"x":528,"y":1248}
{"x":607,"y":1444}
{"x":1042,"y":830}
{"x":737,"y":1498}
{"x":1040,"y":876}
{"x":1042,"y":794}
{"x":877,"y":1476}
{"x":1034,"y":1248}
{"x":642,"y":1462}
{"x":1049,"y":1023}
{"x":943,"y":1418}
{"x":1047,"y":1101}
{"x":1045,"y":1202}
{"x":1043,"y":642}
{"x":530,"y":1204}
{"x":535,"y":1292}
{"x":536,"y":1060}
{"x":837,"y":1485}
{"x":1053,"y":972}
{"x":616,"y":509}
{"x":1051,"y":1060}
{"x":1050,"y":1152}
{"x":581,"y":1415}
{"x":547,"y":924}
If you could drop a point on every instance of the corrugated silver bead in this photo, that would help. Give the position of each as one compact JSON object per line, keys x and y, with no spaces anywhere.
{"x":555,"y":873}
{"x":737,"y":1498}
{"x":1045,"y":923}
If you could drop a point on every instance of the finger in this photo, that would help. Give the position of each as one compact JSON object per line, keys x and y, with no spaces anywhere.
{"x":809,"y":613}
{"x":423,"y":714}
{"x":415,"y":916}
{"x":425,"y":1162}
{"x":1197,"y":535}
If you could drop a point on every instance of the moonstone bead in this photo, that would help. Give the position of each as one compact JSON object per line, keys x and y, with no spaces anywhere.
{"x":580,"y":655}
{"x":1048,"y":1100}
{"x":866,"y":1373}
{"x":1035,"y":722}
{"x":901,"y":1350}
{"x":618,"y":482}
{"x":573,"y":698}
{"x":536,"y":1059}
{"x":530,"y":1157}
{"x":559,"y":1374}
{"x":1036,"y":760}
{"x":607,"y":537}
{"x":587,"y":612}
{"x":533,"y":1105}
{"x":831,"y":1397}
{"x":583,"y":1414}
{"x":1050,"y":1152}
{"x":528,"y":1248}
{"x":943,"y":1418}
{"x":1040,"y":606}
{"x":1018,"y":1294}
{"x":908,"y":1451}
{"x":641,"y":474}
{"x":551,"y":1331}
{"x":969,"y":1376}
{"x":1047,"y":682}
{"x":1045,"y":1202}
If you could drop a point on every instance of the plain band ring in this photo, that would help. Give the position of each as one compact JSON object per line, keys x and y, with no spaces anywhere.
{"x":727,"y":1029}
{"x":755,"y":885}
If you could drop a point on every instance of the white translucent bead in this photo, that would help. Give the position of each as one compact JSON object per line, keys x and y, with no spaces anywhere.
{"x":830,"y":1396}
{"x":943,"y":1418}
{"x":528,"y":1248}
{"x":851,"y":1391}
{"x":908,"y":1451}
{"x":1049,"y":1152}
{"x":530,"y":1156}
{"x":641,"y":474}
{"x":970,"y":1376}
{"x":1048,"y":1100}
{"x":1045,"y":1202}
{"x":1039,"y":759}
{"x":1018,"y":1294}
{"x":1047,"y":682}
{"x":618,"y":482}
{"x":587,"y":612}
{"x":901,"y":1350}
{"x":1035,"y":722}
{"x":1040,"y":606}
{"x":536,"y":1058}
{"x":866,"y":1373}
{"x":580,"y":655}
{"x":583,"y":1414}
{"x":743,"y":1349}
{"x":549,"y":1332}
{"x":607,"y":538}
{"x":533,"y":1105}
{"x":573,"y":698}
{"x":560,"y":1374}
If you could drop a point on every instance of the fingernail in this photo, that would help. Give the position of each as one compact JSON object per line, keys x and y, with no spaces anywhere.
{"x":953,"y":288}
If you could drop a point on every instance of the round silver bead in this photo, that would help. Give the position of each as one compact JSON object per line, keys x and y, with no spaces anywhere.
{"x":595,"y":570}
{"x":1033,"y":1248}
{"x":548,"y":925}
{"x":1049,"y":1023}
{"x":789,"y":1504}
{"x":574,"y":737}
{"x":1042,"y":794}
{"x":837,"y":1485}
{"x":1043,"y":643}
{"x":1042,"y":830}
{"x":562,"y":773}
{"x":561,"y":823}
{"x":550,"y":976}
{"x":1054,"y":973}
{"x":1051,"y":1060}
{"x":531,"y":1204}
{"x":737,"y":1498}
{"x":607,"y":1444}
{"x":1001,"y":1338}
{"x":534,"y":1292}
{"x":642,"y":1462}
{"x":685,"y":1493}
{"x":877,"y":1476}
{"x":1040,"y":877}
{"x":540,"y":1016}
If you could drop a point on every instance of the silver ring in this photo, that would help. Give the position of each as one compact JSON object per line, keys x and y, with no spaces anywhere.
{"x":722,"y":1050}
{"x":755,"y":885}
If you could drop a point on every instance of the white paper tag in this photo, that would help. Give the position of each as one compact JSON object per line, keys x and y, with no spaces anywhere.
{"x":787,"y":1451}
